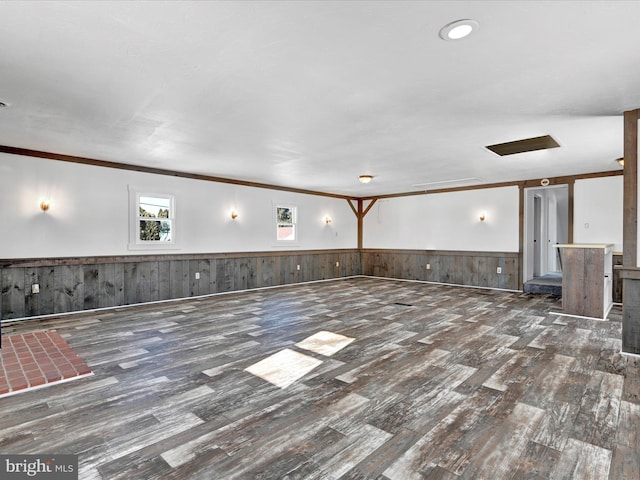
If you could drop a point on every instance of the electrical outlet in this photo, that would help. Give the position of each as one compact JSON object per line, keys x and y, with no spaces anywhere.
{"x":337,"y":264}
{"x":499,"y":270}
{"x":297,"y":267}
{"x":35,"y":288}
{"x":428,"y":266}
{"x":197,"y":275}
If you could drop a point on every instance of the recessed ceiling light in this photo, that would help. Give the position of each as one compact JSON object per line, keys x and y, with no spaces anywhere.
{"x":365,"y":178}
{"x":458,"y":30}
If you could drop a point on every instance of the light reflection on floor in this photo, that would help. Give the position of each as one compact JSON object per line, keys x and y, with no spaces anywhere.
{"x":325,"y":343}
{"x":285,"y":367}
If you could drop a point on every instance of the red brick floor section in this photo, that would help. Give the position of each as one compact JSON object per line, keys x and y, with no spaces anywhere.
{"x":36,"y":359}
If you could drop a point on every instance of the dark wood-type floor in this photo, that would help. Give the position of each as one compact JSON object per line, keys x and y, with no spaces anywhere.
{"x":441,"y":382}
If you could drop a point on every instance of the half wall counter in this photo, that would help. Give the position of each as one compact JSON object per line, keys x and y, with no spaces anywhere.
{"x":587,"y":279}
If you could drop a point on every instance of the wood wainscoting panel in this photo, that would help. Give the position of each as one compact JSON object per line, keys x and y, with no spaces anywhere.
{"x":75,"y":284}
{"x":68,"y":289}
{"x":44,"y":276}
{"x":91,"y":276}
{"x":478,"y":269}
{"x":13,"y":294}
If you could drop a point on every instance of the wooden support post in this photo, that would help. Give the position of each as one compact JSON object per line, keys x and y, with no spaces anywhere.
{"x":571,"y":185}
{"x":630,"y":273}
{"x":520,"y":236}
{"x":361,"y":212}
{"x":360,"y":223}
{"x":630,"y":190}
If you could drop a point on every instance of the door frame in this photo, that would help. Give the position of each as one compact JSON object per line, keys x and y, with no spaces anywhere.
{"x":528,"y":229}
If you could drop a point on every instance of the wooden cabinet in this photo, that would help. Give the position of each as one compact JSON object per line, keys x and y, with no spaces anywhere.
{"x":587,"y":279}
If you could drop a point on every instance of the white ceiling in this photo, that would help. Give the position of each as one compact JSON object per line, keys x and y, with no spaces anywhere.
{"x":312,"y":94}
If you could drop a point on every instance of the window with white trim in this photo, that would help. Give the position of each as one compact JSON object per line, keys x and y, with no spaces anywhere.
{"x":153,"y":220}
{"x":286,"y":223}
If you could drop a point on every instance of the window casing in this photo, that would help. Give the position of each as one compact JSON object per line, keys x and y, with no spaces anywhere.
{"x":152,"y":220}
{"x":286,"y":223}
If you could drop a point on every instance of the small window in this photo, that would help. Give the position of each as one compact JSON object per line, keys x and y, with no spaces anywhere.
{"x":152,"y":220}
{"x":155,"y":219}
{"x":286,"y":223}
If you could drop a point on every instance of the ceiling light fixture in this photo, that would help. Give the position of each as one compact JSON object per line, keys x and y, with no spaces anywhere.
{"x":458,"y":30}
{"x":365,"y":178}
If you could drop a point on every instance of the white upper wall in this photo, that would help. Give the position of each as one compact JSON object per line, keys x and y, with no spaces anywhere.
{"x":598,"y":211}
{"x":89,"y":215}
{"x":446,"y":221}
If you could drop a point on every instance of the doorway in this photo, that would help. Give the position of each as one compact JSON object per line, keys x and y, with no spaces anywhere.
{"x":546,"y":223}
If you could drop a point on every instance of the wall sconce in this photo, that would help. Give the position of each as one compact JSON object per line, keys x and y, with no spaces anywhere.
{"x":620,"y":161}
{"x":483,"y":216}
{"x":365,"y":178}
{"x":327,"y":219}
{"x":234,"y":214}
{"x":45,"y":204}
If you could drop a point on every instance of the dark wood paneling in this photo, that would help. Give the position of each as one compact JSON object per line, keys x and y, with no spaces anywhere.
{"x":13,"y":293}
{"x":179,"y":278}
{"x":240,"y":274}
{"x":252,"y":266}
{"x":68,"y":289}
{"x":194,"y":283}
{"x":593,"y":272}
{"x":583,"y":282}
{"x":68,"y":285}
{"x":130,"y":279}
{"x":110,"y":284}
{"x":164,"y":280}
{"x":572,"y":274}
{"x":630,"y":189}
{"x":39,"y":262}
{"x":41,"y":303}
{"x":492,"y":272}
{"x":631,"y":310}
{"x":617,"y":281}
{"x":460,"y":268}
{"x":71,"y":285}
{"x":91,"y":287}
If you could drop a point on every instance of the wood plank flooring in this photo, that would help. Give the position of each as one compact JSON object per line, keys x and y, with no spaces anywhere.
{"x":440,"y":382}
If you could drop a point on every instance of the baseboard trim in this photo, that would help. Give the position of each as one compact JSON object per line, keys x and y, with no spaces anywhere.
{"x":442,"y":283}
